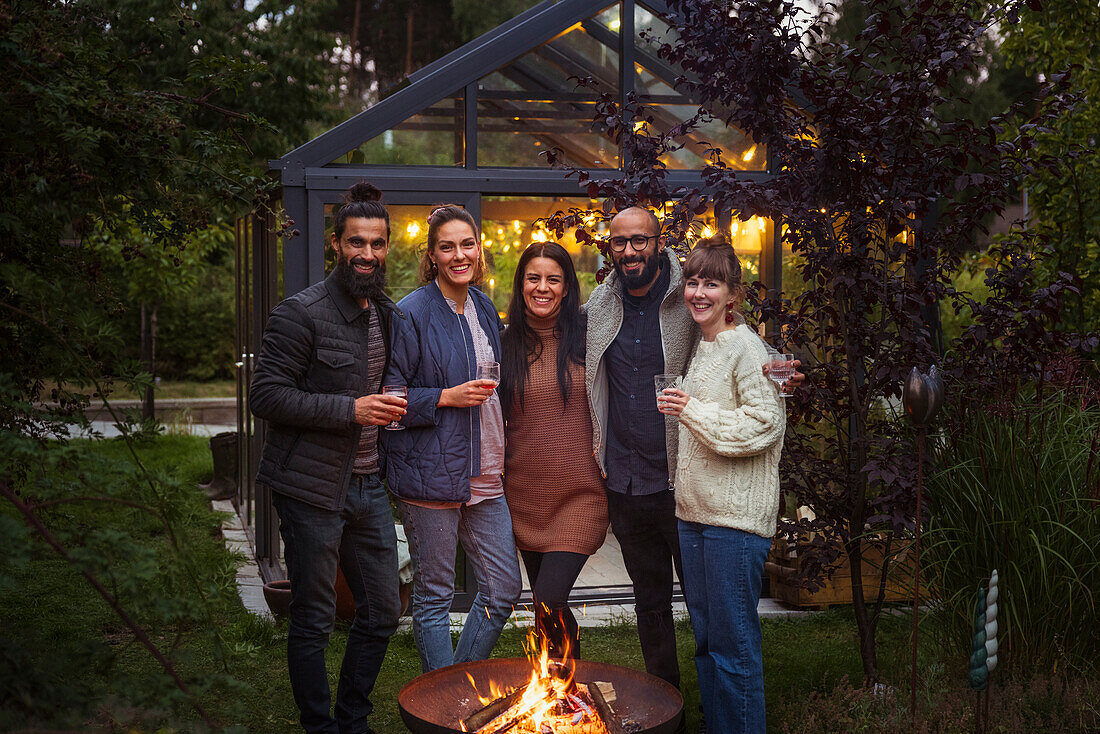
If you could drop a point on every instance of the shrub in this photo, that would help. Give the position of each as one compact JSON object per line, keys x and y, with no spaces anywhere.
{"x":1017,"y":490}
{"x":1019,"y":706}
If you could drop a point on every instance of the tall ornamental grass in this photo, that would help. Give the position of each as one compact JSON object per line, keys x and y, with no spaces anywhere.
{"x":1017,"y":488}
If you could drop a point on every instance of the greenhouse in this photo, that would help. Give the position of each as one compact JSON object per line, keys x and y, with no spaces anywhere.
{"x":470,"y":129}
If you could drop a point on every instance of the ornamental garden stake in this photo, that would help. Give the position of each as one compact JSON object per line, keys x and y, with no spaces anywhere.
{"x":922,"y":397}
{"x":983,"y":650}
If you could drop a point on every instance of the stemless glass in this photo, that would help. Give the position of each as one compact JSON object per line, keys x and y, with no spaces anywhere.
{"x":400,"y":391}
{"x":780,"y":367}
{"x":661,"y":382}
{"x":489,"y":371}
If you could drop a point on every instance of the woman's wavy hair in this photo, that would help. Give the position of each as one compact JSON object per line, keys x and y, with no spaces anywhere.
{"x":521,"y":345}
{"x":442,"y":215}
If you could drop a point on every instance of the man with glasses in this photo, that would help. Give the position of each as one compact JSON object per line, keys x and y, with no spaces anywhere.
{"x":639,"y":326}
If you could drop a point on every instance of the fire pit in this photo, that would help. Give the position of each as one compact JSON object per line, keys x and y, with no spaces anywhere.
{"x":440,"y":701}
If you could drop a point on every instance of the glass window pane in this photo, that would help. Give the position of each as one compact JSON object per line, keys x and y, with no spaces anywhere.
{"x":652,"y":74}
{"x":432,"y":137}
{"x":408,"y":238}
{"x":738,"y":150}
{"x":533,"y":103}
{"x":749,"y":239}
{"x":510,"y":224}
{"x":515,"y":132}
{"x":654,"y":79}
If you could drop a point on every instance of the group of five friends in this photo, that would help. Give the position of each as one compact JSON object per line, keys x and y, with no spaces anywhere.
{"x":572,"y":439}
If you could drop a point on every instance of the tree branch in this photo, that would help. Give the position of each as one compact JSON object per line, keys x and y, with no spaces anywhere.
{"x":36,"y":524}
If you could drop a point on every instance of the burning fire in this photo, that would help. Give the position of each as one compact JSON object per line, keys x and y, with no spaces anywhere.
{"x":551,"y":702}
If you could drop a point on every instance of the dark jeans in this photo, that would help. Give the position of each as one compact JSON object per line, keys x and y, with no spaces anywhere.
{"x":645,"y":526}
{"x":552,"y":577}
{"x":361,"y":540}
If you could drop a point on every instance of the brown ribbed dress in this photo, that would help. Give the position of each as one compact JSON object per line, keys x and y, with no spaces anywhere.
{"x":551,"y":480}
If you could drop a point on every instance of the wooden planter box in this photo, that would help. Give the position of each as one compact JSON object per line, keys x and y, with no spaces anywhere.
{"x":783,"y":565}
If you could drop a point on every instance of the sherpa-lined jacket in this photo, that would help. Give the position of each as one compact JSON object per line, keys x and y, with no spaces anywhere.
{"x":605,"y":316}
{"x":312,"y":367}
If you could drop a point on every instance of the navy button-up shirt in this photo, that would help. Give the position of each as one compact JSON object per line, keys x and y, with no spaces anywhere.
{"x":637,"y":462}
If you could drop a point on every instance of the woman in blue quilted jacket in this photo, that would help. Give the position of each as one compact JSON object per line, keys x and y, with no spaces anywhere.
{"x":445,"y":468}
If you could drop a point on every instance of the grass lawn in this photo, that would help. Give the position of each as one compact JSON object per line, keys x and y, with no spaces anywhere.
{"x":169,"y":390}
{"x":66,"y":662}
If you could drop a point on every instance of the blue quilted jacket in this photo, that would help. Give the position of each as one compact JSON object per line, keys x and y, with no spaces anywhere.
{"x":431,"y":349}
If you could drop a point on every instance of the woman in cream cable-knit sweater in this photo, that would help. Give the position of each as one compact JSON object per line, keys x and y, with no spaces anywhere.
{"x":727,"y":488}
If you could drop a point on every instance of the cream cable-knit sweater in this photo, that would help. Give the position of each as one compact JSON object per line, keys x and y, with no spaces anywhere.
{"x":731,"y":434}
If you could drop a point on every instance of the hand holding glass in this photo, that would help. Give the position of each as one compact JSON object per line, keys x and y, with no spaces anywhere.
{"x":780,"y":367}
{"x":400,"y":391}
{"x":661,"y":382}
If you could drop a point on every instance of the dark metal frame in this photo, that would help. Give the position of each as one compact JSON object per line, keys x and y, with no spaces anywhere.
{"x":309,"y":181}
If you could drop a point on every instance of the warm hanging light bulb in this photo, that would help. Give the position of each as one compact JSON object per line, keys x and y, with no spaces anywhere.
{"x":413,"y":229}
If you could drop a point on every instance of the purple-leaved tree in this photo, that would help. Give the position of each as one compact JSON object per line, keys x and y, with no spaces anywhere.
{"x":879,"y":188}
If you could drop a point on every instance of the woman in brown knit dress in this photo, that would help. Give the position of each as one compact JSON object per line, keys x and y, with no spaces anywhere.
{"x":553,"y":486}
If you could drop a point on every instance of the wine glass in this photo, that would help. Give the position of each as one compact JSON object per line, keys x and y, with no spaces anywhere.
{"x":661,"y":382}
{"x":780,"y":368}
{"x":400,"y":391}
{"x":489,"y":371}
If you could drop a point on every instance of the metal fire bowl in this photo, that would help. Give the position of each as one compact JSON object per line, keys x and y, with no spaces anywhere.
{"x":437,"y":702}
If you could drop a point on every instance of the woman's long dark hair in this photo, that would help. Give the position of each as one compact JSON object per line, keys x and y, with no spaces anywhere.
{"x":521,"y":345}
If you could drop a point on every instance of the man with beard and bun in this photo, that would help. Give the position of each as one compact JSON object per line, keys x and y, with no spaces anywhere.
{"x":324,"y":352}
{"x":639,"y":326}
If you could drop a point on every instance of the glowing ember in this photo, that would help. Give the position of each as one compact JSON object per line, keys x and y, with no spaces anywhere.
{"x":551,"y":702}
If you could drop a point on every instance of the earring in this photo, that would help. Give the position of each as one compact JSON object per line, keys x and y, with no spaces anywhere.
{"x":729,"y":313}
{"x":435,"y":268}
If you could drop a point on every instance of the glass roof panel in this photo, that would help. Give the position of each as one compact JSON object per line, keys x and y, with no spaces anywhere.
{"x":533,"y":103}
{"x":654,"y":79}
{"x":435,"y":136}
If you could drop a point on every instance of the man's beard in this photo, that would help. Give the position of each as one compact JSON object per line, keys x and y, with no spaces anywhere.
{"x":647,"y":274}
{"x":361,"y":285}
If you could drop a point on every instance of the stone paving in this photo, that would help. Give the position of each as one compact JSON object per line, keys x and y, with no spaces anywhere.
{"x":601,"y":570}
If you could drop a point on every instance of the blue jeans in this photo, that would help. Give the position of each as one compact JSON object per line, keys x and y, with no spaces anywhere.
{"x":360,"y":539}
{"x":485,"y":531}
{"x":723,"y":569}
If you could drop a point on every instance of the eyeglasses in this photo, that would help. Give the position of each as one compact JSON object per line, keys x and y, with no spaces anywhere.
{"x":638,"y":241}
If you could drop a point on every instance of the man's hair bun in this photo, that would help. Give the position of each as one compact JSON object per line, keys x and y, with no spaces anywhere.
{"x":362,"y":191}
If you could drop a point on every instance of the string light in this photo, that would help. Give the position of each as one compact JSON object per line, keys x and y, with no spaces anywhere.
{"x":413,"y":229}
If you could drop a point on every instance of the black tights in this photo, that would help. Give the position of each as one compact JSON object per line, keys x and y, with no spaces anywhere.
{"x":552,"y":577}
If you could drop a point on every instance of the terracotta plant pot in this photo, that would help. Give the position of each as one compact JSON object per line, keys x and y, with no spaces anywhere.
{"x":345,"y":601}
{"x":277,"y":596}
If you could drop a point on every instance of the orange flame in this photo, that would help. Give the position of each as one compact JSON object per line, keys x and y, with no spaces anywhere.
{"x":551,"y":681}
